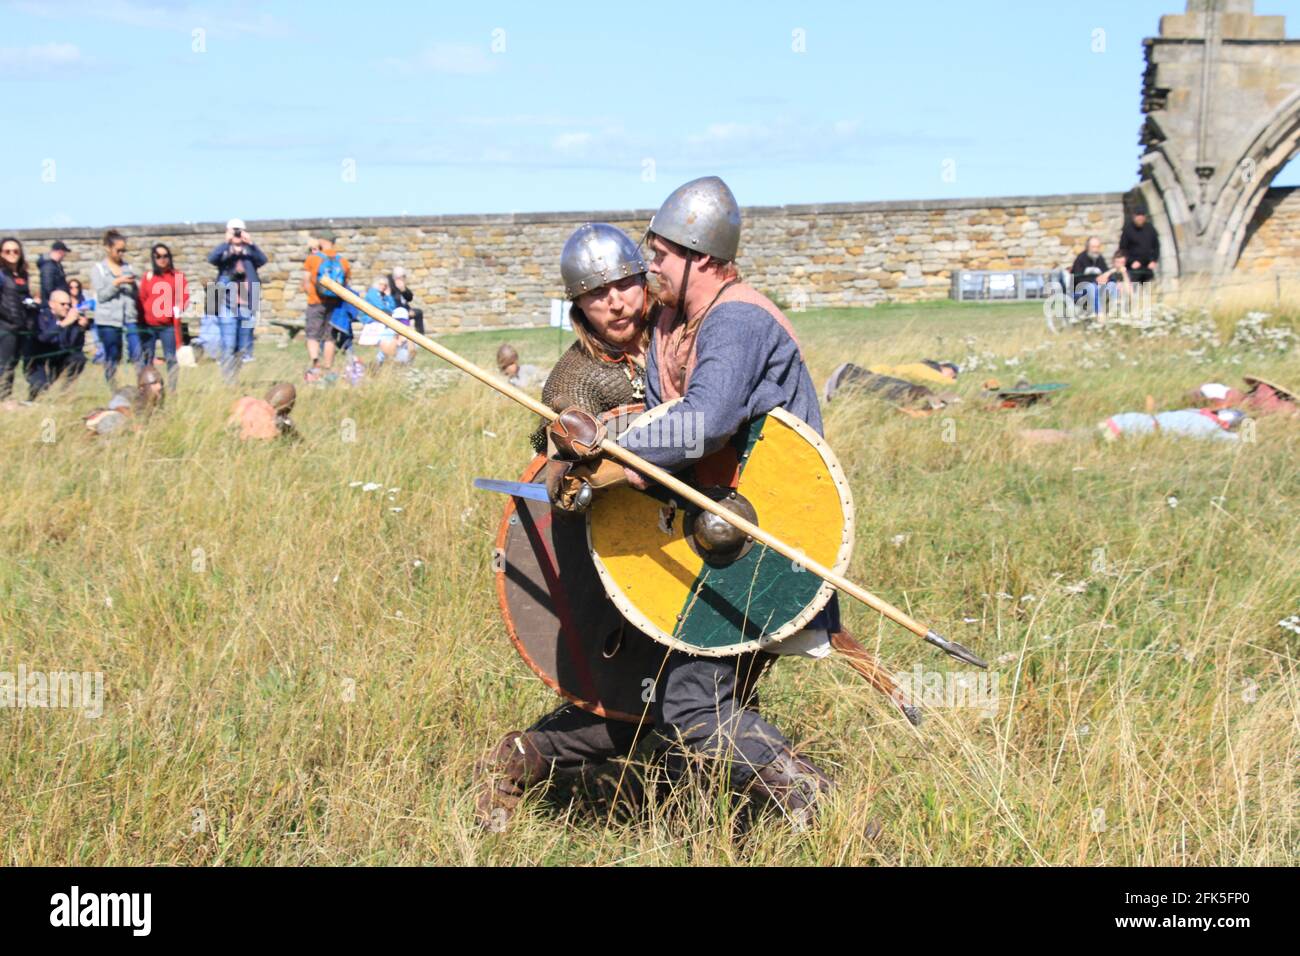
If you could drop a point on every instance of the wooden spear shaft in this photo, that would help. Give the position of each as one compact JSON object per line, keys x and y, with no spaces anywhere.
{"x":675,"y":485}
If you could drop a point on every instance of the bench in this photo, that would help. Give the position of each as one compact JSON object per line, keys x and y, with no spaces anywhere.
{"x":292,"y":326}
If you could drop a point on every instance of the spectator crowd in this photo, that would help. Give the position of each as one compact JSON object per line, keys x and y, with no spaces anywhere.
{"x":1097,"y":286}
{"x":46,"y":325}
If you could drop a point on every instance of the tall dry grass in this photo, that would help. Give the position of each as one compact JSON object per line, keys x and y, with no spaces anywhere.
{"x":296,"y":672}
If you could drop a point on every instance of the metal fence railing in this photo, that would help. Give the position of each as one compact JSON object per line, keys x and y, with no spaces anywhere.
{"x":1022,"y":285}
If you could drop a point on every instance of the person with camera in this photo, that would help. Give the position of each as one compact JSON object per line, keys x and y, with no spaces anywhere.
{"x":237,"y":293}
{"x":164,"y":295}
{"x":58,"y":340}
{"x":17,"y":312}
{"x":117,"y":305}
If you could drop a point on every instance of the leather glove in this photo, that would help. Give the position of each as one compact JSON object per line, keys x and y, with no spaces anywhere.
{"x":576,"y":435}
{"x":572,"y":484}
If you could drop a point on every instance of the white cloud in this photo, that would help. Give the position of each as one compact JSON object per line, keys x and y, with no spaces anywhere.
{"x":530,"y":120}
{"x":454,"y":59}
{"x":571,"y":143}
{"x":729,"y":133}
{"x":232,"y":18}
{"x":40,"y":58}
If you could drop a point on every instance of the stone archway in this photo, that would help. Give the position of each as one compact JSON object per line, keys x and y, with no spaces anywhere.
{"x":1221,"y":96}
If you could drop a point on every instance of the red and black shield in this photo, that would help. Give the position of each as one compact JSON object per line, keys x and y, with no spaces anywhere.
{"x":559,"y":617}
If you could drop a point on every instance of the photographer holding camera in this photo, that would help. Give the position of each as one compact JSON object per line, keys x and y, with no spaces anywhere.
{"x":237,"y":289}
{"x":17,"y":312}
{"x":117,"y":304}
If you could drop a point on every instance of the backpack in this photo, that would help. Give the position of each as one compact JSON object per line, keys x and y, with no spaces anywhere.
{"x":330,"y":268}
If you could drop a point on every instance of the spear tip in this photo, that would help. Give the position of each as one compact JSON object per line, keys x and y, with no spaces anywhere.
{"x":953,"y":649}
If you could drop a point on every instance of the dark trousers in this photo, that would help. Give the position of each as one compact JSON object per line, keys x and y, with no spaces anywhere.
{"x":110,"y":337}
{"x":74,"y":366}
{"x":702,"y":705}
{"x":132,"y":332}
{"x":46,"y":364}
{"x":11,"y":344}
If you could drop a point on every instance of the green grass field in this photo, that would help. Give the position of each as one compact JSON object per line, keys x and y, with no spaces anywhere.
{"x":299,"y":671}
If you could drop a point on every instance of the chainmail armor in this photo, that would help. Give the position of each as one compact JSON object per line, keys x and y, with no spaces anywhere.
{"x":593,"y":385}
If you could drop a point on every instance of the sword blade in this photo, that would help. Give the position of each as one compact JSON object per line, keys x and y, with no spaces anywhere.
{"x":516,"y":489}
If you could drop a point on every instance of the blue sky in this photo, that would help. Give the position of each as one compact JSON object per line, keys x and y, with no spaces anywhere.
{"x":128,"y":115}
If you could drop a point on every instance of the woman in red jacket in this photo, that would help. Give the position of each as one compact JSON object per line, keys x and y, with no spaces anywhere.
{"x":164,"y":295}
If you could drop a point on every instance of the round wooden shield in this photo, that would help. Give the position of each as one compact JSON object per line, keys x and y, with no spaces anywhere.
{"x":558,"y":616}
{"x":661,"y":579}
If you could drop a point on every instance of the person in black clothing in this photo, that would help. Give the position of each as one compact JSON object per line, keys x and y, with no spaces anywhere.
{"x":17,"y":312}
{"x":1139,"y":248}
{"x":403,"y":294}
{"x":51,"y":269}
{"x":1092,"y":278}
{"x":59,"y":338}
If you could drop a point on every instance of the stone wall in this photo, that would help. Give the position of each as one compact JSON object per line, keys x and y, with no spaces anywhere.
{"x":1273,"y":238}
{"x":479,"y":271}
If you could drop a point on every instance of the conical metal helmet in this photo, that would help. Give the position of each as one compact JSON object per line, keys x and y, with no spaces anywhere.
{"x":281,"y":397}
{"x":702,"y":216}
{"x":148,"y":375}
{"x":596,"y":255}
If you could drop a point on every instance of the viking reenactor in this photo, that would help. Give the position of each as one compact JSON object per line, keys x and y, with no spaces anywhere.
{"x":906,"y":396}
{"x":730,"y":355}
{"x":654,"y":609}
{"x":1266,"y":398}
{"x":265,"y":418}
{"x":604,"y":276}
{"x":521,"y":376}
{"x":128,"y":405}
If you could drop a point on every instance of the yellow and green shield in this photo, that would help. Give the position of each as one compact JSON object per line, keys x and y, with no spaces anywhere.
{"x":647,"y":547}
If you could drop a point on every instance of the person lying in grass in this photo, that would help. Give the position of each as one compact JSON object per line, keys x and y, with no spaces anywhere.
{"x":265,"y":418}
{"x":128,"y":405}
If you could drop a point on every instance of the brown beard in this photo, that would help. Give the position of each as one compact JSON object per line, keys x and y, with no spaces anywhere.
{"x":660,"y":295}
